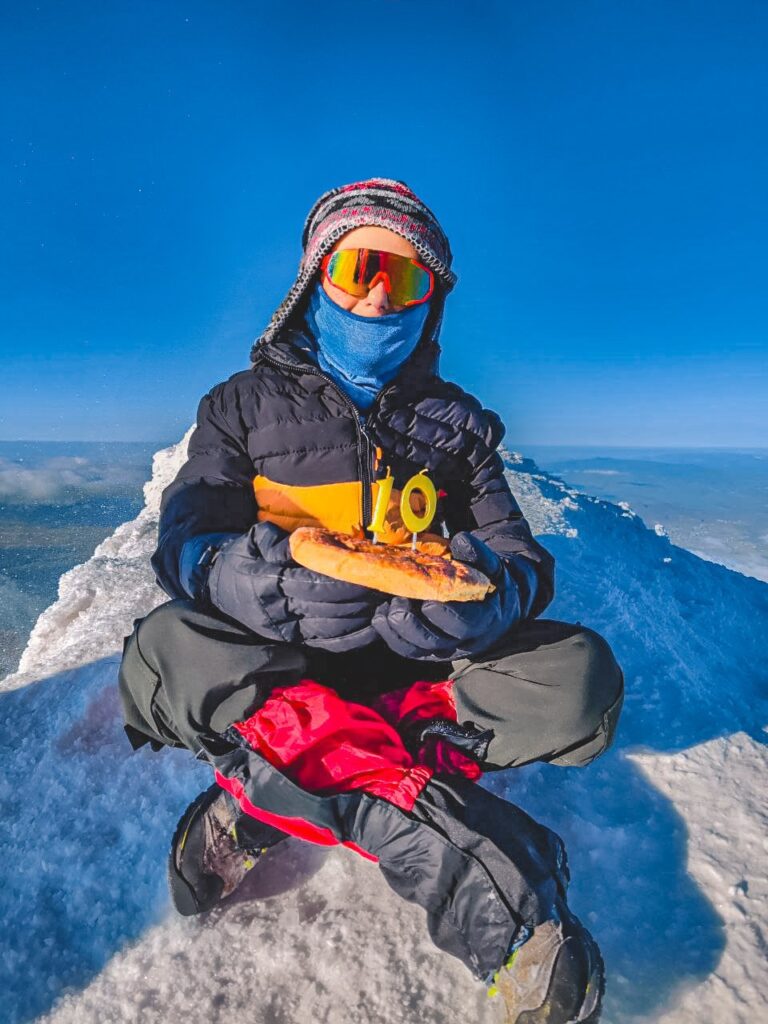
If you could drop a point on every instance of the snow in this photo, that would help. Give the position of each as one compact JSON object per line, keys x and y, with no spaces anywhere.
{"x":666,"y":833}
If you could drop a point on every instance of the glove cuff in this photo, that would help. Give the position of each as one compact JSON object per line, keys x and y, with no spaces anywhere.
{"x":524,"y":575}
{"x":197,"y":556}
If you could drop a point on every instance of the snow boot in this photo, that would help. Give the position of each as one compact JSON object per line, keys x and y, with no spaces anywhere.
{"x":213,"y":849}
{"x":556,"y":976}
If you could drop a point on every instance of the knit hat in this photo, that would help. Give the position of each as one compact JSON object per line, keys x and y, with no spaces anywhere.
{"x":377,"y":201}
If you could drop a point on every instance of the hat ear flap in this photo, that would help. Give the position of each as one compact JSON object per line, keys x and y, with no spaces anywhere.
{"x":435,"y":315}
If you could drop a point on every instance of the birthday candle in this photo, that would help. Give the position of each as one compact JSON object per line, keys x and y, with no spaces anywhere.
{"x":378,"y":522}
{"x":413,"y":522}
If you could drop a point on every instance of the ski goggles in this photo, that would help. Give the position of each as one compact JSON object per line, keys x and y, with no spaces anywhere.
{"x":356,"y":271}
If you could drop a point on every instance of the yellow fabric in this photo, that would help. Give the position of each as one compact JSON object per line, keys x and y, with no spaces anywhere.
{"x":337,"y":507}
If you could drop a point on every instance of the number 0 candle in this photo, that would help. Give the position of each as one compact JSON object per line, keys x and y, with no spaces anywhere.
{"x":413,"y":522}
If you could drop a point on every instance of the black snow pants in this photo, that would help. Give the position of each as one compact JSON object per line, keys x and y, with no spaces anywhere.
{"x":484,"y":871}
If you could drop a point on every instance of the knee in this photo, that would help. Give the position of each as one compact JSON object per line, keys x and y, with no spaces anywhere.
{"x":594,"y":680}
{"x":142,"y":646}
{"x":574,"y":663}
{"x":591,"y":696}
{"x":161,"y":627}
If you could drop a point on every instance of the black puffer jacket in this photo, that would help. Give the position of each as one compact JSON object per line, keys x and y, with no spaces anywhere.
{"x":284,"y":421}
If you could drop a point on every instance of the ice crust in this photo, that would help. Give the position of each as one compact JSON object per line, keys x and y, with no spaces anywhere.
{"x":666,"y":833}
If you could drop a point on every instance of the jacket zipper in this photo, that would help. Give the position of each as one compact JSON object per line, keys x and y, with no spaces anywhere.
{"x":363,"y":439}
{"x":368,"y":460}
{"x":367,"y":475}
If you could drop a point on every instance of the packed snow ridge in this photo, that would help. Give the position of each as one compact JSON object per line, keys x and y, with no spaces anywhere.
{"x":666,"y":833}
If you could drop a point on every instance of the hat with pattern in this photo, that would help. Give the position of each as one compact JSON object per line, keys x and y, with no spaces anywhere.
{"x":377,"y":201}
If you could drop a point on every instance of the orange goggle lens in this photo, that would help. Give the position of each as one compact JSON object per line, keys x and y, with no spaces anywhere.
{"x":356,"y":271}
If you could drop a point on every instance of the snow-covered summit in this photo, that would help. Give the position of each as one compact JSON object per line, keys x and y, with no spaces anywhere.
{"x":99,"y":600}
{"x":666,"y":834}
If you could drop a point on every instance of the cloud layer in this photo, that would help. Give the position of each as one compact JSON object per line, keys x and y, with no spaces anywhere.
{"x":68,"y":478}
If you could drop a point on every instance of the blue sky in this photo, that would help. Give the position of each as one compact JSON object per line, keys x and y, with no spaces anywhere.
{"x":600,"y":168}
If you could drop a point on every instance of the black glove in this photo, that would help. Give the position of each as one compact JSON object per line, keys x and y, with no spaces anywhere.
{"x":254,"y":580}
{"x":444,"y":630}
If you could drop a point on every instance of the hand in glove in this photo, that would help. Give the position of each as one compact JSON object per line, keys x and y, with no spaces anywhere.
{"x":444,"y":630}
{"x":254,"y":580}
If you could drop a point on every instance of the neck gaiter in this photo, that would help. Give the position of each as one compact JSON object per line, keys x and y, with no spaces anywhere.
{"x":360,"y":353}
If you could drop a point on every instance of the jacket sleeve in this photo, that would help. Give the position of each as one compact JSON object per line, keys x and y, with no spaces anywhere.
{"x":484,"y":505}
{"x":212,"y":492}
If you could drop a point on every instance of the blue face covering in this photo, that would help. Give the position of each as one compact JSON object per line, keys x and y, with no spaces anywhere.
{"x":362,"y":353}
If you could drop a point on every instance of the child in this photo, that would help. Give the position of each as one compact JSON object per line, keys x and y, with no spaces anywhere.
{"x":335,"y":712}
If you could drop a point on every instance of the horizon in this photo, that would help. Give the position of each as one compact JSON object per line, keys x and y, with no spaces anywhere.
{"x":746,"y":449}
